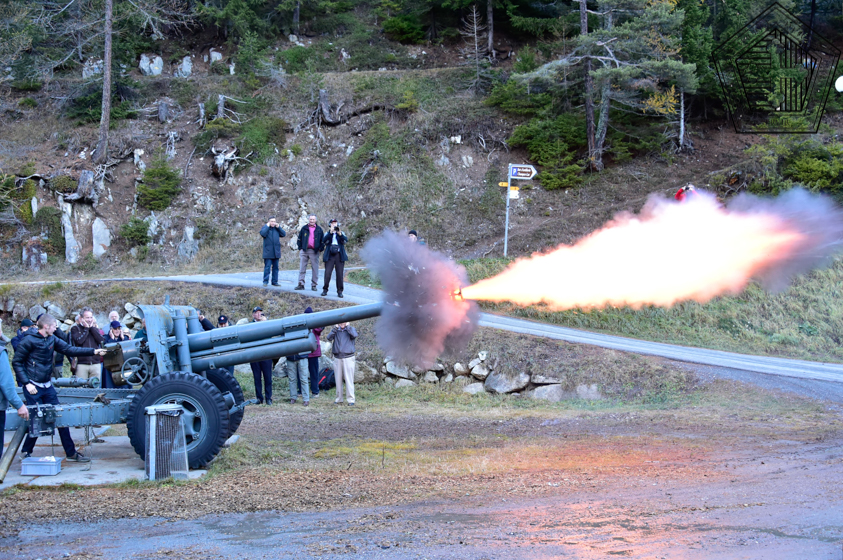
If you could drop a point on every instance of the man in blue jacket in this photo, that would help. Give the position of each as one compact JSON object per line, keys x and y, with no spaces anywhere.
{"x":8,"y":394}
{"x":272,"y":234}
{"x":33,"y":365}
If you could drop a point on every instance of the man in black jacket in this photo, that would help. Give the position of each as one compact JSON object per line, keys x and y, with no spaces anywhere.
{"x":272,"y":234}
{"x":33,"y":366}
{"x":335,"y":256}
{"x":310,"y":245}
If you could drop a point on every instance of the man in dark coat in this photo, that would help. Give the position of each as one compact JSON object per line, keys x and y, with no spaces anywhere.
{"x":335,"y":256}
{"x":272,"y":234}
{"x":33,"y":364}
{"x":25,"y":326}
{"x":262,"y":370}
{"x":310,"y":245}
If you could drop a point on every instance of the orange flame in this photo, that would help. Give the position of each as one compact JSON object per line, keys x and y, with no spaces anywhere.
{"x":671,"y":252}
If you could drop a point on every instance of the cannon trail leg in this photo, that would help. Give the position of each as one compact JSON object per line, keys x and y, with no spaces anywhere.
{"x":11,"y":451}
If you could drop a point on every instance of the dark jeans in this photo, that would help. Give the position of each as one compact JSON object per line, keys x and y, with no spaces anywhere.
{"x":262,"y":369}
{"x":2,"y":431}
{"x":107,"y":382}
{"x":334,"y":261}
{"x":313,"y":366}
{"x":47,"y":396}
{"x":273,"y":264}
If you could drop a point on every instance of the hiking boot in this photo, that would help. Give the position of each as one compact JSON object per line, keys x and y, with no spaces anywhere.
{"x":292,"y":401}
{"x":306,"y":403}
{"x":299,"y":287}
{"x":268,"y":402}
{"x":79,"y":458}
{"x":277,"y":284}
{"x":25,"y":455}
{"x":351,"y":404}
{"x":313,"y":288}
{"x":339,"y":294}
{"x":324,"y":292}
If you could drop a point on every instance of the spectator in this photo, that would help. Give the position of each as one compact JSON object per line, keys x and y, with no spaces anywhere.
{"x":8,"y":391}
{"x":313,"y":360}
{"x":25,"y":326}
{"x":113,"y":316}
{"x":335,"y":256}
{"x":310,"y":245}
{"x":297,"y":374}
{"x":687,"y":192}
{"x":141,"y":334}
{"x":115,"y":334}
{"x":262,"y":370}
{"x":413,"y":236}
{"x":86,"y":334}
{"x":206,"y":323}
{"x":272,"y":234}
{"x":33,"y":365}
{"x":58,"y":361}
{"x":343,"y":336}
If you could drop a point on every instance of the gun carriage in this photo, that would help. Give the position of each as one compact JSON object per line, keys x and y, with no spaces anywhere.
{"x":179,"y":363}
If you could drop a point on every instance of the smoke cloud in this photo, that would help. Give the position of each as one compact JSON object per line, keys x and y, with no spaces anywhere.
{"x":421,"y":318}
{"x":817,"y":219}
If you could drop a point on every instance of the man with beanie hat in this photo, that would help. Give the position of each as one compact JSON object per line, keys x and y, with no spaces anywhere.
{"x":25,"y":326}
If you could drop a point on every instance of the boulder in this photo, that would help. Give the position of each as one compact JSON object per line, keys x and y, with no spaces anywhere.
{"x":589,"y":392}
{"x":19,"y":311}
{"x":417,"y":370}
{"x":185,"y":69}
{"x":438,"y":368}
{"x":480,"y":371}
{"x":447,"y":379}
{"x":550,"y":393}
{"x":55,"y":311}
{"x":215,"y":55}
{"x":388,"y":382}
{"x":467,"y":161}
{"x":397,"y":370}
{"x":71,"y":251}
{"x":101,"y":236}
{"x":242,"y":369}
{"x":65,"y":327}
{"x":280,"y":369}
{"x":35,"y":311}
{"x":242,"y":322}
{"x":128,"y":320}
{"x":130,"y":307}
{"x":188,"y":247}
{"x":404,"y":383}
{"x":151,"y":65}
{"x":460,"y":369}
{"x":474,"y":388}
{"x":10,"y":305}
{"x":364,"y":373}
{"x":33,"y":254}
{"x":548,"y":378}
{"x":499,"y":382}
{"x":431,"y":377}
{"x":483,"y":355}
{"x":474,"y":362}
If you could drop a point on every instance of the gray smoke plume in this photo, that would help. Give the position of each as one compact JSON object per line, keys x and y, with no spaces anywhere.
{"x":815,"y":216}
{"x":421,"y":318}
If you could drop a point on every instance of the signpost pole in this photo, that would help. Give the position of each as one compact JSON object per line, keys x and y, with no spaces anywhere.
{"x":506,"y":227}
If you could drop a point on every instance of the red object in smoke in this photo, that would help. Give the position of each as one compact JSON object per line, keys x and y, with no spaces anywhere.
{"x":685,"y":193}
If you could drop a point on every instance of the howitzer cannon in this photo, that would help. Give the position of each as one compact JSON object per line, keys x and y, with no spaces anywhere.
{"x":180,"y":363}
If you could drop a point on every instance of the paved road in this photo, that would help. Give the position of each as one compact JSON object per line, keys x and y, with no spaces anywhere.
{"x":829,"y":374}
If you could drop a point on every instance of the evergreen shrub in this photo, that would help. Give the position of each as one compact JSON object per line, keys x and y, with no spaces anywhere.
{"x":161,"y":184}
{"x":135,"y":232}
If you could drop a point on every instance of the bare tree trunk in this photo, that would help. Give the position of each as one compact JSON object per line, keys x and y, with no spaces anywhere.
{"x":475,"y":16}
{"x":296,"y":15}
{"x":602,"y":126}
{"x":100,"y":154}
{"x":490,"y":26}
{"x":589,"y":89}
{"x":681,"y":119}
{"x":220,"y":106}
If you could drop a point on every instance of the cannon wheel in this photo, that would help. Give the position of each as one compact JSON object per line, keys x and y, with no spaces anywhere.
{"x":226,"y":383}
{"x":205,"y":419}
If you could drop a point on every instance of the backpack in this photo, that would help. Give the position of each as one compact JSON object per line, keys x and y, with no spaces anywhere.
{"x":326,"y":379}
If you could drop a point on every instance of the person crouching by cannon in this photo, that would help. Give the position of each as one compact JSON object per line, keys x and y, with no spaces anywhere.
{"x":115,"y":334}
{"x":33,"y":364}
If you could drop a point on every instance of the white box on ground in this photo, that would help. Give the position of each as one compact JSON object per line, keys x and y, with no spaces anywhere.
{"x":40,"y":466}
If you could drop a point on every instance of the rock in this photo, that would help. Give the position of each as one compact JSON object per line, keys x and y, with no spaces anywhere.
{"x":128,"y":320}
{"x":215,"y":55}
{"x":460,"y":369}
{"x":242,"y":322}
{"x":280,"y":369}
{"x":481,"y":371}
{"x":185,"y":69}
{"x":130,"y":307}
{"x":33,"y":254}
{"x":398,"y":370}
{"x":137,"y":154}
{"x":242,"y":369}
{"x":10,"y":305}
{"x":71,"y":251}
{"x":431,"y":377}
{"x":437,"y":367}
{"x":589,"y":392}
{"x":231,"y":69}
{"x":33,"y":204}
{"x":547,"y":378}
{"x":151,"y":65}
{"x":19,"y":311}
{"x":443,"y":161}
{"x":418,"y":370}
{"x":101,"y":236}
{"x":498,"y":382}
{"x":65,"y":327}
{"x":93,"y":67}
{"x":467,"y":161}
{"x":251,"y":195}
{"x":388,"y":382}
{"x":364,"y":373}
{"x":550,"y":393}
{"x":483,"y":355}
{"x":474,"y":388}
{"x":188,"y":247}
{"x":456,"y":139}
{"x":35,"y":311}
{"x":474,"y":363}
{"x":404,"y":383}
{"x":56,"y":311}
{"x":447,"y":379}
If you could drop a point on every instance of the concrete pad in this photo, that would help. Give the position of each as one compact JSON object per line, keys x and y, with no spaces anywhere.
{"x":112,"y":462}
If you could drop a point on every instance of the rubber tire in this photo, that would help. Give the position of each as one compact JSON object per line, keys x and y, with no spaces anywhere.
{"x":226,"y":383}
{"x":207,"y":397}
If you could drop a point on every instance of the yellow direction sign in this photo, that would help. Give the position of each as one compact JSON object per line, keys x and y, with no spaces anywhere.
{"x":503,"y":184}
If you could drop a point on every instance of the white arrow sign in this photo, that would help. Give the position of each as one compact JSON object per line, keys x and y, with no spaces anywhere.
{"x":522,"y":172}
